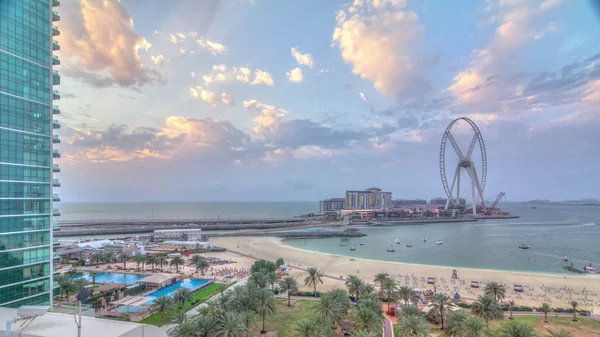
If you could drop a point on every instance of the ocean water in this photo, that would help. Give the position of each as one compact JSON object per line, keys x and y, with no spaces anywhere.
{"x":552,"y":232}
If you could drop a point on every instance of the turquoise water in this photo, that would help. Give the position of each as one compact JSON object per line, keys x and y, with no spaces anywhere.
{"x":114,"y":278}
{"x":552,"y":232}
{"x":191,"y":284}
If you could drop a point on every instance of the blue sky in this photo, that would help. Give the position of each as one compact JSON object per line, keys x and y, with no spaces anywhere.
{"x":301,"y":100}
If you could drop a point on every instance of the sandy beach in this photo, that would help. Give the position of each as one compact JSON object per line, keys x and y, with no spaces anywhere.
{"x":555,"y":289}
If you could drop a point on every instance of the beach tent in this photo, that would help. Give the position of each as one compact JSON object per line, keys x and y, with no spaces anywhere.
{"x":417,"y":290}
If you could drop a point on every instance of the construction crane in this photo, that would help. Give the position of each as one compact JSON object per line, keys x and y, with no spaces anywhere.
{"x":489,"y":210}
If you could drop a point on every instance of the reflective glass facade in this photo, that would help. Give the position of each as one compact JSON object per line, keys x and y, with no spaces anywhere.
{"x":26,"y":131}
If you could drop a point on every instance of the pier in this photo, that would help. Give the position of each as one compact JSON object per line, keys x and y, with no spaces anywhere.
{"x":159,"y":222}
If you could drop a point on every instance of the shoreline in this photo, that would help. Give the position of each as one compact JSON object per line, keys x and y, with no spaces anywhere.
{"x":555,"y":289}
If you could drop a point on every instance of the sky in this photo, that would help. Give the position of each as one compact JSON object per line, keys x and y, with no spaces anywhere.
{"x":264,"y":100}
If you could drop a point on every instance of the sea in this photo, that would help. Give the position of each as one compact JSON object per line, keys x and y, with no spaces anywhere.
{"x":552,"y":231}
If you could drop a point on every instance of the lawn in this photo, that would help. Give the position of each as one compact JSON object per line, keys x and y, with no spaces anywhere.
{"x":199,"y":297}
{"x":584,"y":327}
{"x":285,"y":318}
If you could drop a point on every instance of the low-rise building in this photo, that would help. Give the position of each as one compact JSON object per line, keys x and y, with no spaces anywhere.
{"x":333,"y":204}
{"x":186,"y":245}
{"x":408,"y":202}
{"x":442,"y":201}
{"x":177,"y":234}
{"x":371,"y":198}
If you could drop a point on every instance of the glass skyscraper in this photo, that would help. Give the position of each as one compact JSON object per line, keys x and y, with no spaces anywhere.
{"x":26,"y":150}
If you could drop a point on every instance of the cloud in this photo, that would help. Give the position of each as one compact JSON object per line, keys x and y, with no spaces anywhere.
{"x":295,"y":75}
{"x":188,"y":41}
{"x":211,"y":97}
{"x":89,"y":49}
{"x":215,"y":48}
{"x":159,"y":59}
{"x":303,"y":59}
{"x":221,"y":73}
{"x":380,"y":39}
{"x":268,"y":117}
{"x":362,"y":96}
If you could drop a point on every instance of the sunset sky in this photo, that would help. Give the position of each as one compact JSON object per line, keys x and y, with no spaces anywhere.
{"x":264,"y":100}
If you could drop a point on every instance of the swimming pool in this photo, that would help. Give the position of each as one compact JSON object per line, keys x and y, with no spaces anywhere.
{"x":113,"y":278}
{"x":191,"y":284}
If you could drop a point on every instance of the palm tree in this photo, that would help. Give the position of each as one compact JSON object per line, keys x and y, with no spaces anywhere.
{"x":289,"y":285}
{"x":368,"y":319}
{"x":387,"y":288}
{"x":455,"y":322}
{"x":516,"y":329}
{"x":176,"y":261}
{"x":205,"y":326}
{"x":93,"y":275}
{"x":108,"y":257}
{"x":574,"y":306}
{"x":162,"y":305}
{"x":545,"y":308}
{"x":183,"y":326}
{"x":314,"y":277}
{"x":440,"y":306}
{"x":78,"y":284}
{"x":413,"y":325}
{"x":194,"y":260}
{"x":124,"y":257}
{"x":183,"y":295}
{"x":487,"y":308}
{"x":496,"y":290}
{"x":366,"y":289}
{"x":561,"y":333}
{"x":405,"y":294}
{"x":97,"y":256}
{"x":364,"y":333}
{"x":511,"y":305}
{"x":380,"y":277}
{"x":334,"y":306}
{"x":231,"y":324}
{"x":265,"y":305}
{"x":249,"y":318}
{"x":271,"y":279}
{"x":306,"y":328}
{"x":472,"y":327}
{"x":66,"y":285}
{"x":410,"y":310}
{"x":258,"y":279}
{"x":354,"y":285}
{"x":161,"y":261}
{"x":151,"y":260}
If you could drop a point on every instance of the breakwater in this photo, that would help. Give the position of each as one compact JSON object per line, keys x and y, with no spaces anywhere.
{"x":418,"y":221}
{"x":300,"y":235}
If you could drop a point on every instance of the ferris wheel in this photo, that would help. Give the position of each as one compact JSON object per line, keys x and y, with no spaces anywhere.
{"x":466,"y":152}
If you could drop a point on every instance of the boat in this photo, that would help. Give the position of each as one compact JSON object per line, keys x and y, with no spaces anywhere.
{"x":353,"y":248}
{"x":591,"y":270}
{"x":573,"y":269}
{"x":524,"y":246}
{"x":397,"y":241}
{"x":565,"y":258}
{"x":362,"y":243}
{"x":439,"y":242}
{"x":391,"y":249}
{"x":409,"y":245}
{"x":343,"y":244}
{"x":534,"y":207}
{"x":424,"y":240}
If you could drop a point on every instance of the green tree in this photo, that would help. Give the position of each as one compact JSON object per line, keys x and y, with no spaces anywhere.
{"x":288,"y":285}
{"x":516,"y":329}
{"x":496,"y":290}
{"x":265,"y":305}
{"x":162,"y":305}
{"x":108,"y":257}
{"x":203,"y":265}
{"x":413,"y":326}
{"x":511,"y":305}
{"x":574,"y":306}
{"x":366,"y":289}
{"x":545,"y":308}
{"x":231,"y":324}
{"x":206,"y":325}
{"x":124,"y":257}
{"x":183,"y":295}
{"x":364,"y":333}
{"x":487,"y":308}
{"x":263,"y":266}
{"x":440,"y":305}
{"x":314,"y":276}
{"x":472,"y":327}
{"x":176,"y":262}
{"x":183,"y":326}
{"x":258,"y":279}
{"x":93,"y":275}
{"x":97,"y":256}
{"x":388,"y":290}
{"x":66,"y":285}
{"x":307,"y":328}
{"x":455,"y":321}
{"x":368,"y":319}
{"x":334,"y":306}
{"x":354,"y":285}
{"x":162,"y":261}
{"x":151,"y":260}
{"x":380,"y":277}
{"x":194,"y":260}
{"x":249,"y":318}
{"x":405,"y":295}
{"x":410,"y":310}
{"x":561,"y":333}
{"x":279,"y":262}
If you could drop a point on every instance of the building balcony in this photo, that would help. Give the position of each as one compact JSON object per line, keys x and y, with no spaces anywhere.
{"x":55,"y":31}
{"x":55,"y":124}
{"x":55,"y":139}
{"x":55,"y":45}
{"x":55,"y":60}
{"x":55,"y":168}
{"x":55,"y":3}
{"x":55,"y":16}
{"x":55,"y":153}
{"x":55,"y":197}
{"x":55,"y":212}
{"x":55,"y":95}
{"x":55,"y":77}
{"x":55,"y":183}
{"x":55,"y":110}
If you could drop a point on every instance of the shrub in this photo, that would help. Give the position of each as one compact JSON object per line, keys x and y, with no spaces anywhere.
{"x":464,"y":305}
{"x":308,"y":293}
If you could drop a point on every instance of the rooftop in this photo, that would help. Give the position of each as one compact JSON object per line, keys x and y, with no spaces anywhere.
{"x":157,"y":278}
{"x":54,"y":324}
{"x":178,"y":242}
{"x":177,"y":230}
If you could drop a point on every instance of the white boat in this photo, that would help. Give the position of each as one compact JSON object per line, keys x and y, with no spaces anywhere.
{"x":409,"y":245}
{"x":424,"y":240}
{"x":565,"y":258}
{"x":343,"y":244}
{"x":397,"y":241}
{"x":353,"y":248}
{"x":591,"y":270}
{"x":439,"y":242}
